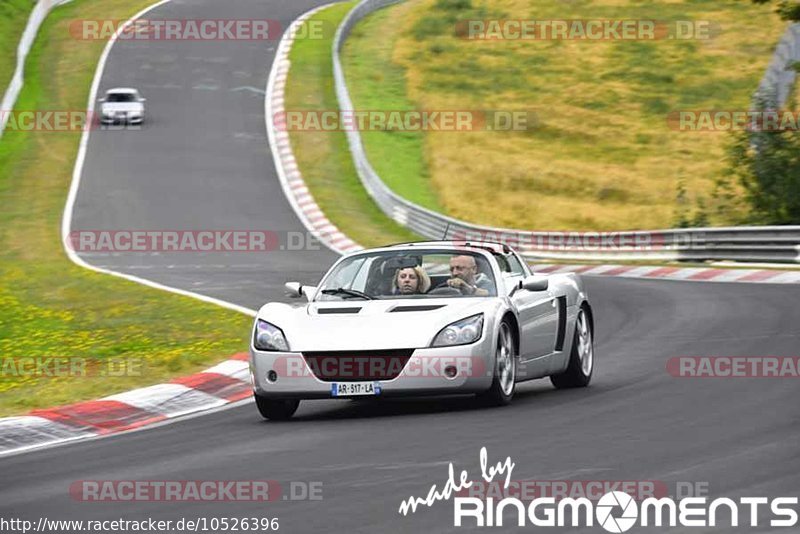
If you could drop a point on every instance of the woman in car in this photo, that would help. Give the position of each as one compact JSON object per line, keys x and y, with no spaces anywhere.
{"x":411,"y":281}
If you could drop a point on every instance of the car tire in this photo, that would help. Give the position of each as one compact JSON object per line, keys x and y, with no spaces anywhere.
{"x":501,"y":392}
{"x":276,"y":409}
{"x":581,"y":358}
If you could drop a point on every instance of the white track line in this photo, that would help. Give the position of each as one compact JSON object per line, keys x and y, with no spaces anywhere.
{"x":153,"y":394}
{"x":39,"y":13}
{"x":162,"y":391}
{"x":41,"y":425}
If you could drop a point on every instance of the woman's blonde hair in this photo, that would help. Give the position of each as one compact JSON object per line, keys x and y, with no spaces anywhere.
{"x":424,"y":281}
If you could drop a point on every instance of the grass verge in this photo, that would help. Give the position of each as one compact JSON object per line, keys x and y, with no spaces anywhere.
{"x":13,"y":18}
{"x":602,"y":156}
{"x":323,"y":156}
{"x":325,"y":160}
{"x":397,"y":156}
{"x":52,"y":308}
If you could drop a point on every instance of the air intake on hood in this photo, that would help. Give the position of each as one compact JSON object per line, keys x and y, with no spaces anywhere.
{"x":417,"y":308}
{"x":322,"y":311}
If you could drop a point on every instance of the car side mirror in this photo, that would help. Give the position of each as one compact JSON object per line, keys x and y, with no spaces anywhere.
{"x":142,"y":100}
{"x":297,"y":290}
{"x":101,"y":99}
{"x":294,"y":289}
{"x":535,"y":283}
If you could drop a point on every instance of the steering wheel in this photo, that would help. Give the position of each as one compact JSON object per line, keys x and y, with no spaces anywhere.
{"x":444,"y":290}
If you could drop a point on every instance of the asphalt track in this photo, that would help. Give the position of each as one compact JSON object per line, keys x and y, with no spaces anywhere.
{"x":202,"y":161}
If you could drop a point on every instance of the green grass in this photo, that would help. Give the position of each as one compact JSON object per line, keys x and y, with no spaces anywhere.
{"x":601,"y":156}
{"x":13,"y":17}
{"x":325,"y":160}
{"x":52,"y":308}
{"x":324,"y":157}
{"x":397,"y":156}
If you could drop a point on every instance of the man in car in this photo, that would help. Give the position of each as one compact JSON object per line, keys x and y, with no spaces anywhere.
{"x":466,"y":278}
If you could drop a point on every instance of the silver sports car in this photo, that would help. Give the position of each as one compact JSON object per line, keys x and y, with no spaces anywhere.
{"x":426,"y":318}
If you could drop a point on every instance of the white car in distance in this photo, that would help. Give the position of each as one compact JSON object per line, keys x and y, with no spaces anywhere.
{"x":122,"y":105}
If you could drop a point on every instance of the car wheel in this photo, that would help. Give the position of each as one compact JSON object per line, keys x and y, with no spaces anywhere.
{"x":505,"y":370}
{"x":276,"y":409}
{"x":581,"y":358}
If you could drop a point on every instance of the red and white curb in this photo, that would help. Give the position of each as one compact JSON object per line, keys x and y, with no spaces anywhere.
{"x":223,"y":384}
{"x":217,"y":386}
{"x":294,"y":187}
{"x":229,"y":381}
{"x":686,"y":274}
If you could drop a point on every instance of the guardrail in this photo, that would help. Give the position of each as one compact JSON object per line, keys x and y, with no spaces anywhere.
{"x":35,"y":20}
{"x":780,"y":244}
{"x":776,"y":85}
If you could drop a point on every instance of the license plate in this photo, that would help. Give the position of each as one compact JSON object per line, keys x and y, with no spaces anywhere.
{"x":347,"y":389}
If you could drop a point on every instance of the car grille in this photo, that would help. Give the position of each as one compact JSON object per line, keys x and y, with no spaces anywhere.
{"x":357,"y":365}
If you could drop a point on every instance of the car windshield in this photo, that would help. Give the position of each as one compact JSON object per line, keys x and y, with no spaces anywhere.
{"x":120,"y":97}
{"x":409,"y":274}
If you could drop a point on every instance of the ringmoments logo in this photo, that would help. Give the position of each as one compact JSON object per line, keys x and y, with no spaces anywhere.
{"x":615,"y":511}
{"x":605,"y":509}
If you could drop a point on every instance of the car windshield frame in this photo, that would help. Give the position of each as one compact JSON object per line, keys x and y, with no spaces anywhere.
{"x":326,"y":290}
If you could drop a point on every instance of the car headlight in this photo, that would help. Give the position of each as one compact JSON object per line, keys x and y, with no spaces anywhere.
{"x":460,"y":332}
{"x":269,"y":337}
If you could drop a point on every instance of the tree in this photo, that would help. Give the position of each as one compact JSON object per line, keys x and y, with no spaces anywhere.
{"x":787,"y":9}
{"x":767,"y":164}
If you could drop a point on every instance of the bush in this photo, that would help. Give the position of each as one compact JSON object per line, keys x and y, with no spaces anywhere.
{"x":453,"y":5}
{"x":767,"y":164}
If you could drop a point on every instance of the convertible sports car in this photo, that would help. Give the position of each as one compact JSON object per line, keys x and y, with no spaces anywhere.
{"x":426,"y":318}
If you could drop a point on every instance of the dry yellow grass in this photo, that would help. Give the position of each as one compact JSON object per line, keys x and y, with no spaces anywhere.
{"x":602,"y":155}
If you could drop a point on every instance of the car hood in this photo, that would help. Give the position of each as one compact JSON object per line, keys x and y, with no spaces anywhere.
{"x":126,"y":107}
{"x":370,"y":325}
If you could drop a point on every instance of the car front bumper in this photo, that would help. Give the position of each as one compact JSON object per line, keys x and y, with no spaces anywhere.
{"x":425,"y":373}
{"x":122,"y":120}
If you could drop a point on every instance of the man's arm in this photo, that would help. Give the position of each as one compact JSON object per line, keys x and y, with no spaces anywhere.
{"x":467,"y":289}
